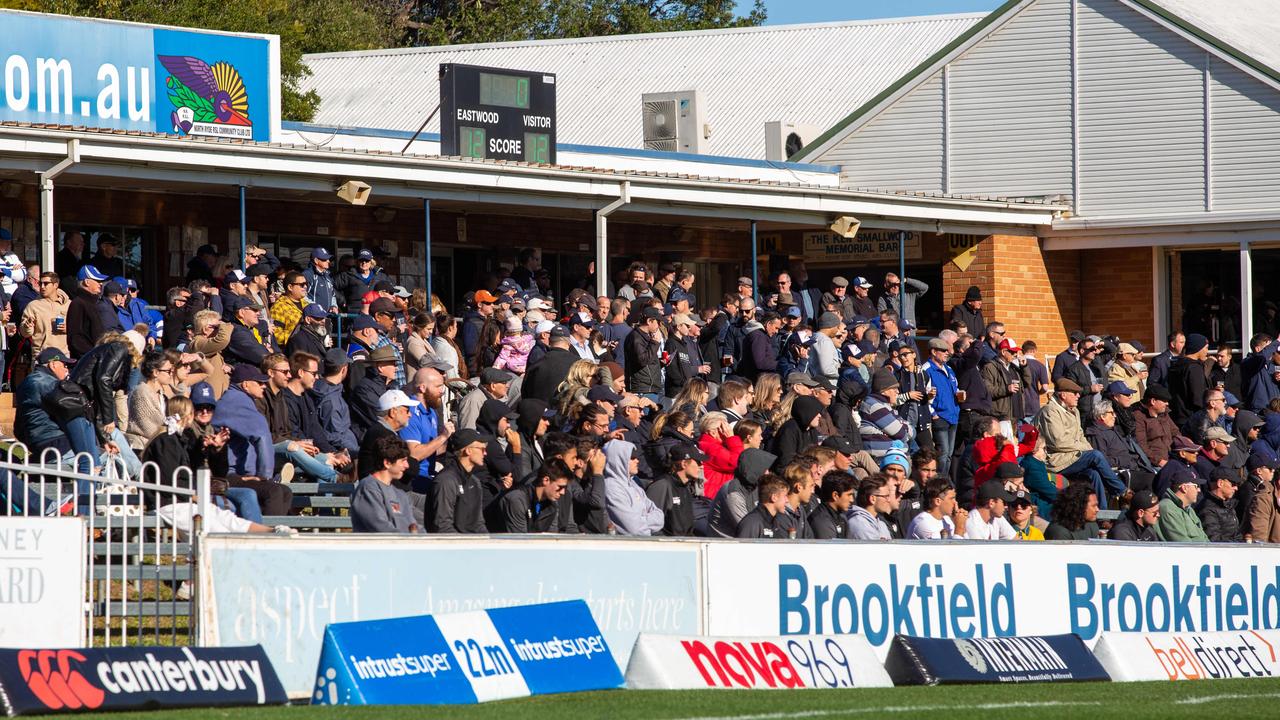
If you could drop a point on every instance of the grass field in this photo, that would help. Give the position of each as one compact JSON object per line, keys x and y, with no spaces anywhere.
{"x":1094,"y":701}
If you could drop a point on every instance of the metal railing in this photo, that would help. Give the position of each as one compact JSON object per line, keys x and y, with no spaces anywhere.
{"x":142,"y":538}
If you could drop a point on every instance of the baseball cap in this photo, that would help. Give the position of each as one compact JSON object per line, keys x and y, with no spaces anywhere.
{"x":321,"y":254}
{"x":1230,"y":400}
{"x":1010,"y":344}
{"x":603,"y":393}
{"x":800,"y":378}
{"x":364,"y":322}
{"x":382,"y":306}
{"x":365,"y":255}
{"x":1217,"y":433}
{"x":1222,"y":473}
{"x":1261,"y":458}
{"x":651,"y":313}
{"x":684,"y":451}
{"x":131,"y":284}
{"x":509,"y":286}
{"x":861,"y":282}
{"x":235,"y":276}
{"x":1021,"y":497}
{"x":247,"y":303}
{"x":202,"y":394}
{"x":5,"y":234}
{"x":859,"y":320}
{"x":394,"y":399}
{"x":49,"y":355}
{"x":793,"y":311}
{"x":89,"y":272}
{"x":994,"y":491}
{"x":314,"y":312}
{"x":537,"y":303}
{"x":1008,"y":470}
{"x":335,"y":358}
{"x":484,"y":296}
{"x":464,"y":438}
{"x":840,"y":444}
{"x":1182,"y":443}
{"x":1119,"y":387}
{"x":1143,"y":500}
{"x":401,"y":291}
{"x":245,"y":372}
{"x":829,"y":320}
{"x":560,"y":331}
{"x":1158,"y":392}
{"x":577,"y":319}
{"x":114,"y":288}
{"x":543,"y":327}
{"x":494,"y":376}
{"x":202,"y":250}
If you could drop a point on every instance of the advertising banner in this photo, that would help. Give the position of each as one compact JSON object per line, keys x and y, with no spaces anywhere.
{"x":132,"y":678}
{"x":969,"y":590}
{"x":42,"y":562}
{"x":1028,"y":659}
{"x":465,"y":657}
{"x":283,"y":592}
{"x":128,"y":76}
{"x":1132,"y":657}
{"x":668,"y":662}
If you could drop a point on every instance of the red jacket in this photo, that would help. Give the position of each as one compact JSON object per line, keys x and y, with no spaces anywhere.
{"x":986,"y":459}
{"x":722,"y":460}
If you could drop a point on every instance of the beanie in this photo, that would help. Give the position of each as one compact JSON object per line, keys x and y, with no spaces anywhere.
{"x":884,"y":379}
{"x":1195,"y":343}
{"x":897,"y":455}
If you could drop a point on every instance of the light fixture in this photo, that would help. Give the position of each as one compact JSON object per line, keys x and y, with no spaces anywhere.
{"x":846,"y":226}
{"x":355,"y":192}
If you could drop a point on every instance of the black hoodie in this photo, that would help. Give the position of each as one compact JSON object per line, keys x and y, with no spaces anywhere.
{"x":849,"y":395}
{"x":795,"y":435}
{"x":737,"y":497}
{"x":530,"y":415}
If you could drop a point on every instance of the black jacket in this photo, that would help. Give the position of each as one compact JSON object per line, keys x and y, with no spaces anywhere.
{"x":245,"y":348}
{"x":543,"y":379}
{"x":683,"y":358}
{"x":1220,"y":520}
{"x":364,"y":402}
{"x":795,"y":435}
{"x":368,"y":460}
{"x":972,"y":319}
{"x":643,"y":362}
{"x":675,"y":500}
{"x":304,"y":420}
{"x":306,"y":340}
{"x":759,"y":523}
{"x":1187,"y":384}
{"x":827,"y":524}
{"x":456,"y":502}
{"x":84,"y":321}
{"x":351,"y":288}
{"x":101,"y":372}
{"x":759,"y":355}
{"x":1127,"y":529}
{"x":523,"y":513}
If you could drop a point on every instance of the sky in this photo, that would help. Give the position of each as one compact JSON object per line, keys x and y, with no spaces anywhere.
{"x":789,"y":12}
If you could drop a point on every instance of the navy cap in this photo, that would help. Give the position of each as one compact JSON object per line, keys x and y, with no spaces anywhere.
{"x":202,"y":394}
{"x":793,"y":311}
{"x":365,"y":255}
{"x":560,"y":331}
{"x":131,"y":284}
{"x":651,"y":313}
{"x":114,"y":288}
{"x":49,"y":355}
{"x":577,"y":319}
{"x":5,"y":234}
{"x":603,"y":393}
{"x":202,"y":250}
{"x":321,"y":254}
{"x":315,"y":312}
{"x":336,"y":358}
{"x":244,"y":373}
{"x":464,"y":438}
{"x":509,"y":286}
{"x":1119,"y":387}
{"x":364,"y":322}
{"x":685,"y":451}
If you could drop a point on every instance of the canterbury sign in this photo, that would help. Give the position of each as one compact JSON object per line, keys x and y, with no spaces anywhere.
{"x":53,"y":680}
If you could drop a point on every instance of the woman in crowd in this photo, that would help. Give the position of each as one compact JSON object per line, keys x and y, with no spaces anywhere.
{"x":445,"y":343}
{"x":147,"y":401}
{"x":418,"y":350}
{"x":722,"y":448}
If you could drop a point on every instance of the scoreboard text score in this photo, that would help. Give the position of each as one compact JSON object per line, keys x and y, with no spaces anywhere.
{"x":497,"y":113}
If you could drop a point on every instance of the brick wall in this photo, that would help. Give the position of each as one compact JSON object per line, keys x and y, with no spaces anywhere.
{"x":1116,"y":285}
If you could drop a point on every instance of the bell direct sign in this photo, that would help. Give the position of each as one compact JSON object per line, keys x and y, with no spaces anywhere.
{"x":128,"y":76}
{"x":42,"y":563}
{"x":665,"y":662}
{"x":465,"y":657}
{"x":1189,"y":656}
{"x":43,"y":681}
{"x":960,"y":590}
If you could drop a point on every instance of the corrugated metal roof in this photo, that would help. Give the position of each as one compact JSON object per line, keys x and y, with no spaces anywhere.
{"x":804,"y":74}
{"x":1246,"y":26}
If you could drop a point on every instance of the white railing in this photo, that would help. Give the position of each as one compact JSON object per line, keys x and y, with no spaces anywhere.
{"x":141,"y":572}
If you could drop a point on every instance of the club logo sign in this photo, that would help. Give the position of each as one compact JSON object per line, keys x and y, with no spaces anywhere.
{"x":208,"y":100}
{"x":972,"y":655}
{"x":52,"y":680}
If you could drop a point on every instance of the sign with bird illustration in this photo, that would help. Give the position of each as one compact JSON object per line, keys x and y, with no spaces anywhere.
{"x":207,"y":99}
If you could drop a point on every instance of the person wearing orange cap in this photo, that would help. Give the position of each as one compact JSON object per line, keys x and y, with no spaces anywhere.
{"x":474,"y":319}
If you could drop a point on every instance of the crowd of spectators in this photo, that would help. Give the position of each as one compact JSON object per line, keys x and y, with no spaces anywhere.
{"x":781,"y":412}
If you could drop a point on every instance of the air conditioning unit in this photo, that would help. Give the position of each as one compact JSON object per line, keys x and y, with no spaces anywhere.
{"x":673,"y":121}
{"x":782,"y":140}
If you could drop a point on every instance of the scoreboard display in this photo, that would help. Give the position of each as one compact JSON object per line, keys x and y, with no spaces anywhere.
{"x":497,"y":113}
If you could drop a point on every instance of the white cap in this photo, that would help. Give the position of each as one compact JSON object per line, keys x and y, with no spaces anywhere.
{"x":393,"y":399}
{"x":544,"y":327}
{"x":538,"y":304}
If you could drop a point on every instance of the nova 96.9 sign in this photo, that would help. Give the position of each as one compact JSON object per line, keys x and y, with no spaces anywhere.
{"x":689,"y":663}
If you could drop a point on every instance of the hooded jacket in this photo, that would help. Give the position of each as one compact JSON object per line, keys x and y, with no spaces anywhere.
{"x":250,"y":450}
{"x":499,"y":461}
{"x":335,"y":416}
{"x":656,"y":451}
{"x":530,"y":414}
{"x":796,"y":434}
{"x":630,"y":510}
{"x":1178,"y":522}
{"x":738,"y":496}
{"x":843,"y":409}
{"x":865,"y":526}
{"x":32,"y":423}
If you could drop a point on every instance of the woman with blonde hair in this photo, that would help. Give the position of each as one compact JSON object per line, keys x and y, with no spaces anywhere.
{"x":722,"y":447}
{"x":573,"y":391}
{"x":768,"y":395}
{"x":692,"y":400}
{"x":209,"y":337}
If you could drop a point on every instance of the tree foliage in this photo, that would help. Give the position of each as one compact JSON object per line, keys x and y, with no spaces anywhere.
{"x":451,"y":22}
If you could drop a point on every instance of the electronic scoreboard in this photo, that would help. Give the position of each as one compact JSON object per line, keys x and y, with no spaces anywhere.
{"x":497,"y":113}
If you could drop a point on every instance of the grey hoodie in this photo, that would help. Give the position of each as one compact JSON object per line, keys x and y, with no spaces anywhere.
{"x":630,"y":510}
{"x":737,"y":497}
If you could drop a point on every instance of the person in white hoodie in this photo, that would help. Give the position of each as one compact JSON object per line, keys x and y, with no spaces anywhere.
{"x":875,"y":498}
{"x":631,"y":512}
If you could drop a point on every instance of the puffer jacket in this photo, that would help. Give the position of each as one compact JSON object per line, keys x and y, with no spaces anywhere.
{"x":32,"y":424}
{"x":102,"y":371}
{"x":722,"y":460}
{"x":1219,"y":519}
{"x":737,"y":497}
